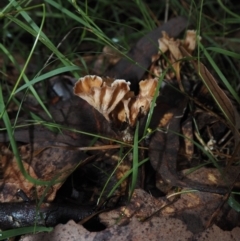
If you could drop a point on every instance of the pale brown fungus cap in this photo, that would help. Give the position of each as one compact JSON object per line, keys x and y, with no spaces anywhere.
{"x":114,"y":100}
{"x":98,"y":94}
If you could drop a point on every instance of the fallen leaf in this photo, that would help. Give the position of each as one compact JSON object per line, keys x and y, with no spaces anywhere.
{"x":141,"y":54}
{"x":216,"y":234}
{"x":42,"y":161}
{"x":155,"y":229}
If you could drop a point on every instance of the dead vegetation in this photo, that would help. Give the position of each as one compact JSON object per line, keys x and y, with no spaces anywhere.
{"x":147,"y":149}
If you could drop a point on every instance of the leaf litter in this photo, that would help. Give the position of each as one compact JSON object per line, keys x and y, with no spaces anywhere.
{"x":192,"y":158}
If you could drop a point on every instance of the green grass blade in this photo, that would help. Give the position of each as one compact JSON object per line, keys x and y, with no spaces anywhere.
{"x":20,"y":231}
{"x":34,"y":30}
{"x":13,"y":143}
{"x":148,"y":20}
{"x":34,"y":92}
{"x":47,"y":76}
{"x":25,"y":66}
{"x":126,"y":175}
{"x":14,"y":147}
{"x":153,"y":103}
{"x":233,"y":203}
{"x":111,"y":175}
{"x":227,"y":10}
{"x":220,"y":74}
{"x":135,"y":161}
{"x":224,"y":52}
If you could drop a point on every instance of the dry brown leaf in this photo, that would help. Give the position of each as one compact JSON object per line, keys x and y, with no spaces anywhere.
{"x":42,"y":162}
{"x":213,"y":177}
{"x":216,"y":234}
{"x":155,"y":229}
{"x":169,"y":229}
{"x":143,"y":51}
{"x":12,"y":179}
{"x":193,"y":209}
{"x":142,"y":206}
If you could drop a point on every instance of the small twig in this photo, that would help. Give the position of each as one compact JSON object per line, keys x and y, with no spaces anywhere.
{"x":86,"y":148}
{"x":225,"y":198}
